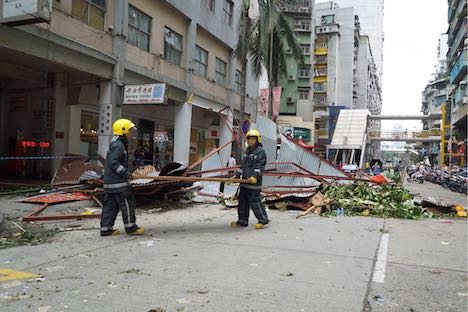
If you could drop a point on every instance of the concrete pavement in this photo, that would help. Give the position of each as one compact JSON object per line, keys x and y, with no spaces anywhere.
{"x":191,"y":260}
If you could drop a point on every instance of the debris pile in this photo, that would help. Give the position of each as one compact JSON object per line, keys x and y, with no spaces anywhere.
{"x":384,"y":200}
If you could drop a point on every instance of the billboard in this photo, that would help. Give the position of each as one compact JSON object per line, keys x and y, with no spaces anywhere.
{"x":145,"y":94}
{"x":22,"y":12}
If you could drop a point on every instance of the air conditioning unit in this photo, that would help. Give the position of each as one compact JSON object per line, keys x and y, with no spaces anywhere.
{"x":289,"y":100}
{"x":291,"y":77}
{"x":304,"y":9}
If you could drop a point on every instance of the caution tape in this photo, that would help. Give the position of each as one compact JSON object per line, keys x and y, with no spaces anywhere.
{"x":39,"y":157}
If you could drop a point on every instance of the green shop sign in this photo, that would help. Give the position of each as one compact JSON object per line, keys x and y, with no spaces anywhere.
{"x":297,"y":133}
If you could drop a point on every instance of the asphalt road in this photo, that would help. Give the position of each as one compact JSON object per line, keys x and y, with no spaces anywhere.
{"x":191,"y":260}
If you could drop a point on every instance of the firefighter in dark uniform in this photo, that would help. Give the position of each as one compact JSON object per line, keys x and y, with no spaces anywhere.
{"x":117,"y":190}
{"x":252,"y":166}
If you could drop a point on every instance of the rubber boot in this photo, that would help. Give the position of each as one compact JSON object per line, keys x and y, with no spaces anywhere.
{"x":139,"y":231}
{"x":110,"y":233}
{"x":237,"y":225}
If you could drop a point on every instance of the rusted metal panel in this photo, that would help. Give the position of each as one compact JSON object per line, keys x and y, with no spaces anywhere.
{"x":70,"y":170}
{"x":57,"y":198}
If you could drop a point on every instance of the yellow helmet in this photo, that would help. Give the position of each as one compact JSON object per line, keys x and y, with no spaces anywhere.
{"x":123,"y":127}
{"x":254,"y":133}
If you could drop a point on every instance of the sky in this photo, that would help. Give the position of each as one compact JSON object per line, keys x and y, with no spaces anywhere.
{"x":412,"y":29}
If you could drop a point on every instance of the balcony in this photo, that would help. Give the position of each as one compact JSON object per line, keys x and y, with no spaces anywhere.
{"x":460,"y":38}
{"x":459,"y":68}
{"x":291,"y":8}
{"x":321,"y":51}
{"x":454,"y":12}
{"x":329,"y":29}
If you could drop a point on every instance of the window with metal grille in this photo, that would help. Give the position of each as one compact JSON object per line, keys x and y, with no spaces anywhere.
{"x":139,"y":28}
{"x":172,"y":46}
{"x":91,"y":12}
{"x":303,"y":93}
{"x":200,"y":62}
{"x":320,"y":71}
{"x":220,"y":72}
{"x":320,"y":87}
{"x":305,"y":49}
{"x":302,"y":24}
{"x":303,"y":71}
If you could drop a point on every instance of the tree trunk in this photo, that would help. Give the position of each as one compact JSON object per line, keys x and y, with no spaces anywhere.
{"x":244,"y":72}
{"x":270,"y":77}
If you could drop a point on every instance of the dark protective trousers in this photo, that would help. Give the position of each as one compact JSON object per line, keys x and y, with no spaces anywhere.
{"x":249,"y":198}
{"x":113,"y":202}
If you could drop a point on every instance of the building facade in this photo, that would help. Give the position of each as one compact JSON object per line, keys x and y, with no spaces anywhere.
{"x":345,"y":74}
{"x":371,"y":13}
{"x":296,"y":108}
{"x":62,"y":83}
{"x":457,"y":72}
{"x":434,"y":99}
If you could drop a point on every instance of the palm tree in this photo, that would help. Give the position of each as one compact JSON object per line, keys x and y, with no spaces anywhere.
{"x":265,"y":41}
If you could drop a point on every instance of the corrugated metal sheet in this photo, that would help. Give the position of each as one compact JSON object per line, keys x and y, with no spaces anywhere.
{"x":268,"y":130}
{"x":70,"y":170}
{"x":212,"y":188}
{"x":289,"y":152}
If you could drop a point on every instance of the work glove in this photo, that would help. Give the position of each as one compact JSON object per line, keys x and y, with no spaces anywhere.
{"x":253,"y":180}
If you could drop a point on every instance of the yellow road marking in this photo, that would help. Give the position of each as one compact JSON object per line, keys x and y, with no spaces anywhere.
{"x":9,"y":275}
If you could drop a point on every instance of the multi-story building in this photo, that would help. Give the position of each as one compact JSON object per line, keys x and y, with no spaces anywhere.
{"x":370,"y":14}
{"x":296,"y":108}
{"x":434,"y":99}
{"x":345,"y":74}
{"x":457,"y":70}
{"x":62,"y":82}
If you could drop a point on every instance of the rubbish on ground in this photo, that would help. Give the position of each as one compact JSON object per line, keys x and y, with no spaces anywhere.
{"x":379,"y":299}
{"x":54,"y":269}
{"x":182,"y":300}
{"x":18,"y":226}
{"x":384,"y":200}
{"x":57,"y":198}
{"x":89,"y":175}
{"x":112,"y":284}
{"x":149,"y":243}
{"x":445,"y":243}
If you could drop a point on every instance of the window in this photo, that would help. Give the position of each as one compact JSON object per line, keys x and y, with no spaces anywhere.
{"x":328,"y":19}
{"x":172,"y":46}
{"x":303,"y":71}
{"x":321,"y":43}
{"x":320,"y":59}
{"x":210,"y":5}
{"x":238,"y":82}
{"x":305,"y":49}
{"x":91,"y":12}
{"x":227,"y":12}
{"x":139,"y":28}
{"x":320,"y":100}
{"x":200,"y":62}
{"x":320,"y":87}
{"x":302,"y":24}
{"x":220,"y":72}
{"x":303,"y":93}
{"x":320,"y":71}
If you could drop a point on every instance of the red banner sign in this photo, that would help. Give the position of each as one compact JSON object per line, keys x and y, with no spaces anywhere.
{"x":276,"y":102}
